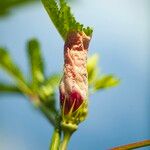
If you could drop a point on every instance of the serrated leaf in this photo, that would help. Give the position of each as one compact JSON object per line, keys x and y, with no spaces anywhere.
{"x":92,"y":68}
{"x":63,"y":19}
{"x":106,"y":82}
{"x":8,"y":88}
{"x":36,"y":62}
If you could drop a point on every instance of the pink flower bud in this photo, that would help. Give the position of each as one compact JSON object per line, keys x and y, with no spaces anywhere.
{"x":74,"y":83}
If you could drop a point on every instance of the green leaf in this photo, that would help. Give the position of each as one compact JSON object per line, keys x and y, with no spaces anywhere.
{"x":36,"y":62}
{"x":92,"y":68}
{"x":8,"y":88}
{"x":7,"y":64}
{"x":63,"y":19}
{"x":106,"y":82}
{"x":47,"y":89}
{"x":7,"y":5}
{"x":53,"y":80}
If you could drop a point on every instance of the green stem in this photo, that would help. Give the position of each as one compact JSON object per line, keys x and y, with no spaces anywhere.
{"x":66,"y":139}
{"x":55,"y":140}
{"x":48,"y":114}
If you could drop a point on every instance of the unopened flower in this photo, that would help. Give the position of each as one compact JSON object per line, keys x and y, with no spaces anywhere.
{"x":74,"y":83}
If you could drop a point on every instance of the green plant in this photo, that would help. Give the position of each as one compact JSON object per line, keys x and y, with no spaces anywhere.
{"x":41,"y":90}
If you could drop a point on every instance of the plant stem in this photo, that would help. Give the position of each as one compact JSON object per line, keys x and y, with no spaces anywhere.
{"x":55,"y":140}
{"x":48,"y":114}
{"x":66,"y":139}
{"x":133,"y":145}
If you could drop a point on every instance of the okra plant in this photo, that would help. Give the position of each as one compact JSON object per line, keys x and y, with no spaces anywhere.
{"x":80,"y":77}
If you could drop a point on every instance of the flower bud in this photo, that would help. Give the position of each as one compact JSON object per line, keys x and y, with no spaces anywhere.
{"x":74,"y":83}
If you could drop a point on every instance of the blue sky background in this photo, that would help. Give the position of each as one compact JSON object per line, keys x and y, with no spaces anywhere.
{"x":116,"y":116}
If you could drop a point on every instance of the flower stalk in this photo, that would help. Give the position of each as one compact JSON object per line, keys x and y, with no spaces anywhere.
{"x":66,"y":139}
{"x":55,"y":142}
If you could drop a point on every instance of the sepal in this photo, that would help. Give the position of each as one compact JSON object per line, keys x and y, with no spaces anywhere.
{"x":71,"y":120}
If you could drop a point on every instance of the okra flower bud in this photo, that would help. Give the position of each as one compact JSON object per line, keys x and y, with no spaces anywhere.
{"x":74,"y":83}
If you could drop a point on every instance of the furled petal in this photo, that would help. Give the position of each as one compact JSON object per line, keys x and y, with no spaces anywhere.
{"x":74,"y":83}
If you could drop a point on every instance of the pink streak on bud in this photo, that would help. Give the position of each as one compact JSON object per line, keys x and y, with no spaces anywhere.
{"x":74,"y":83}
{"x":75,"y":100}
